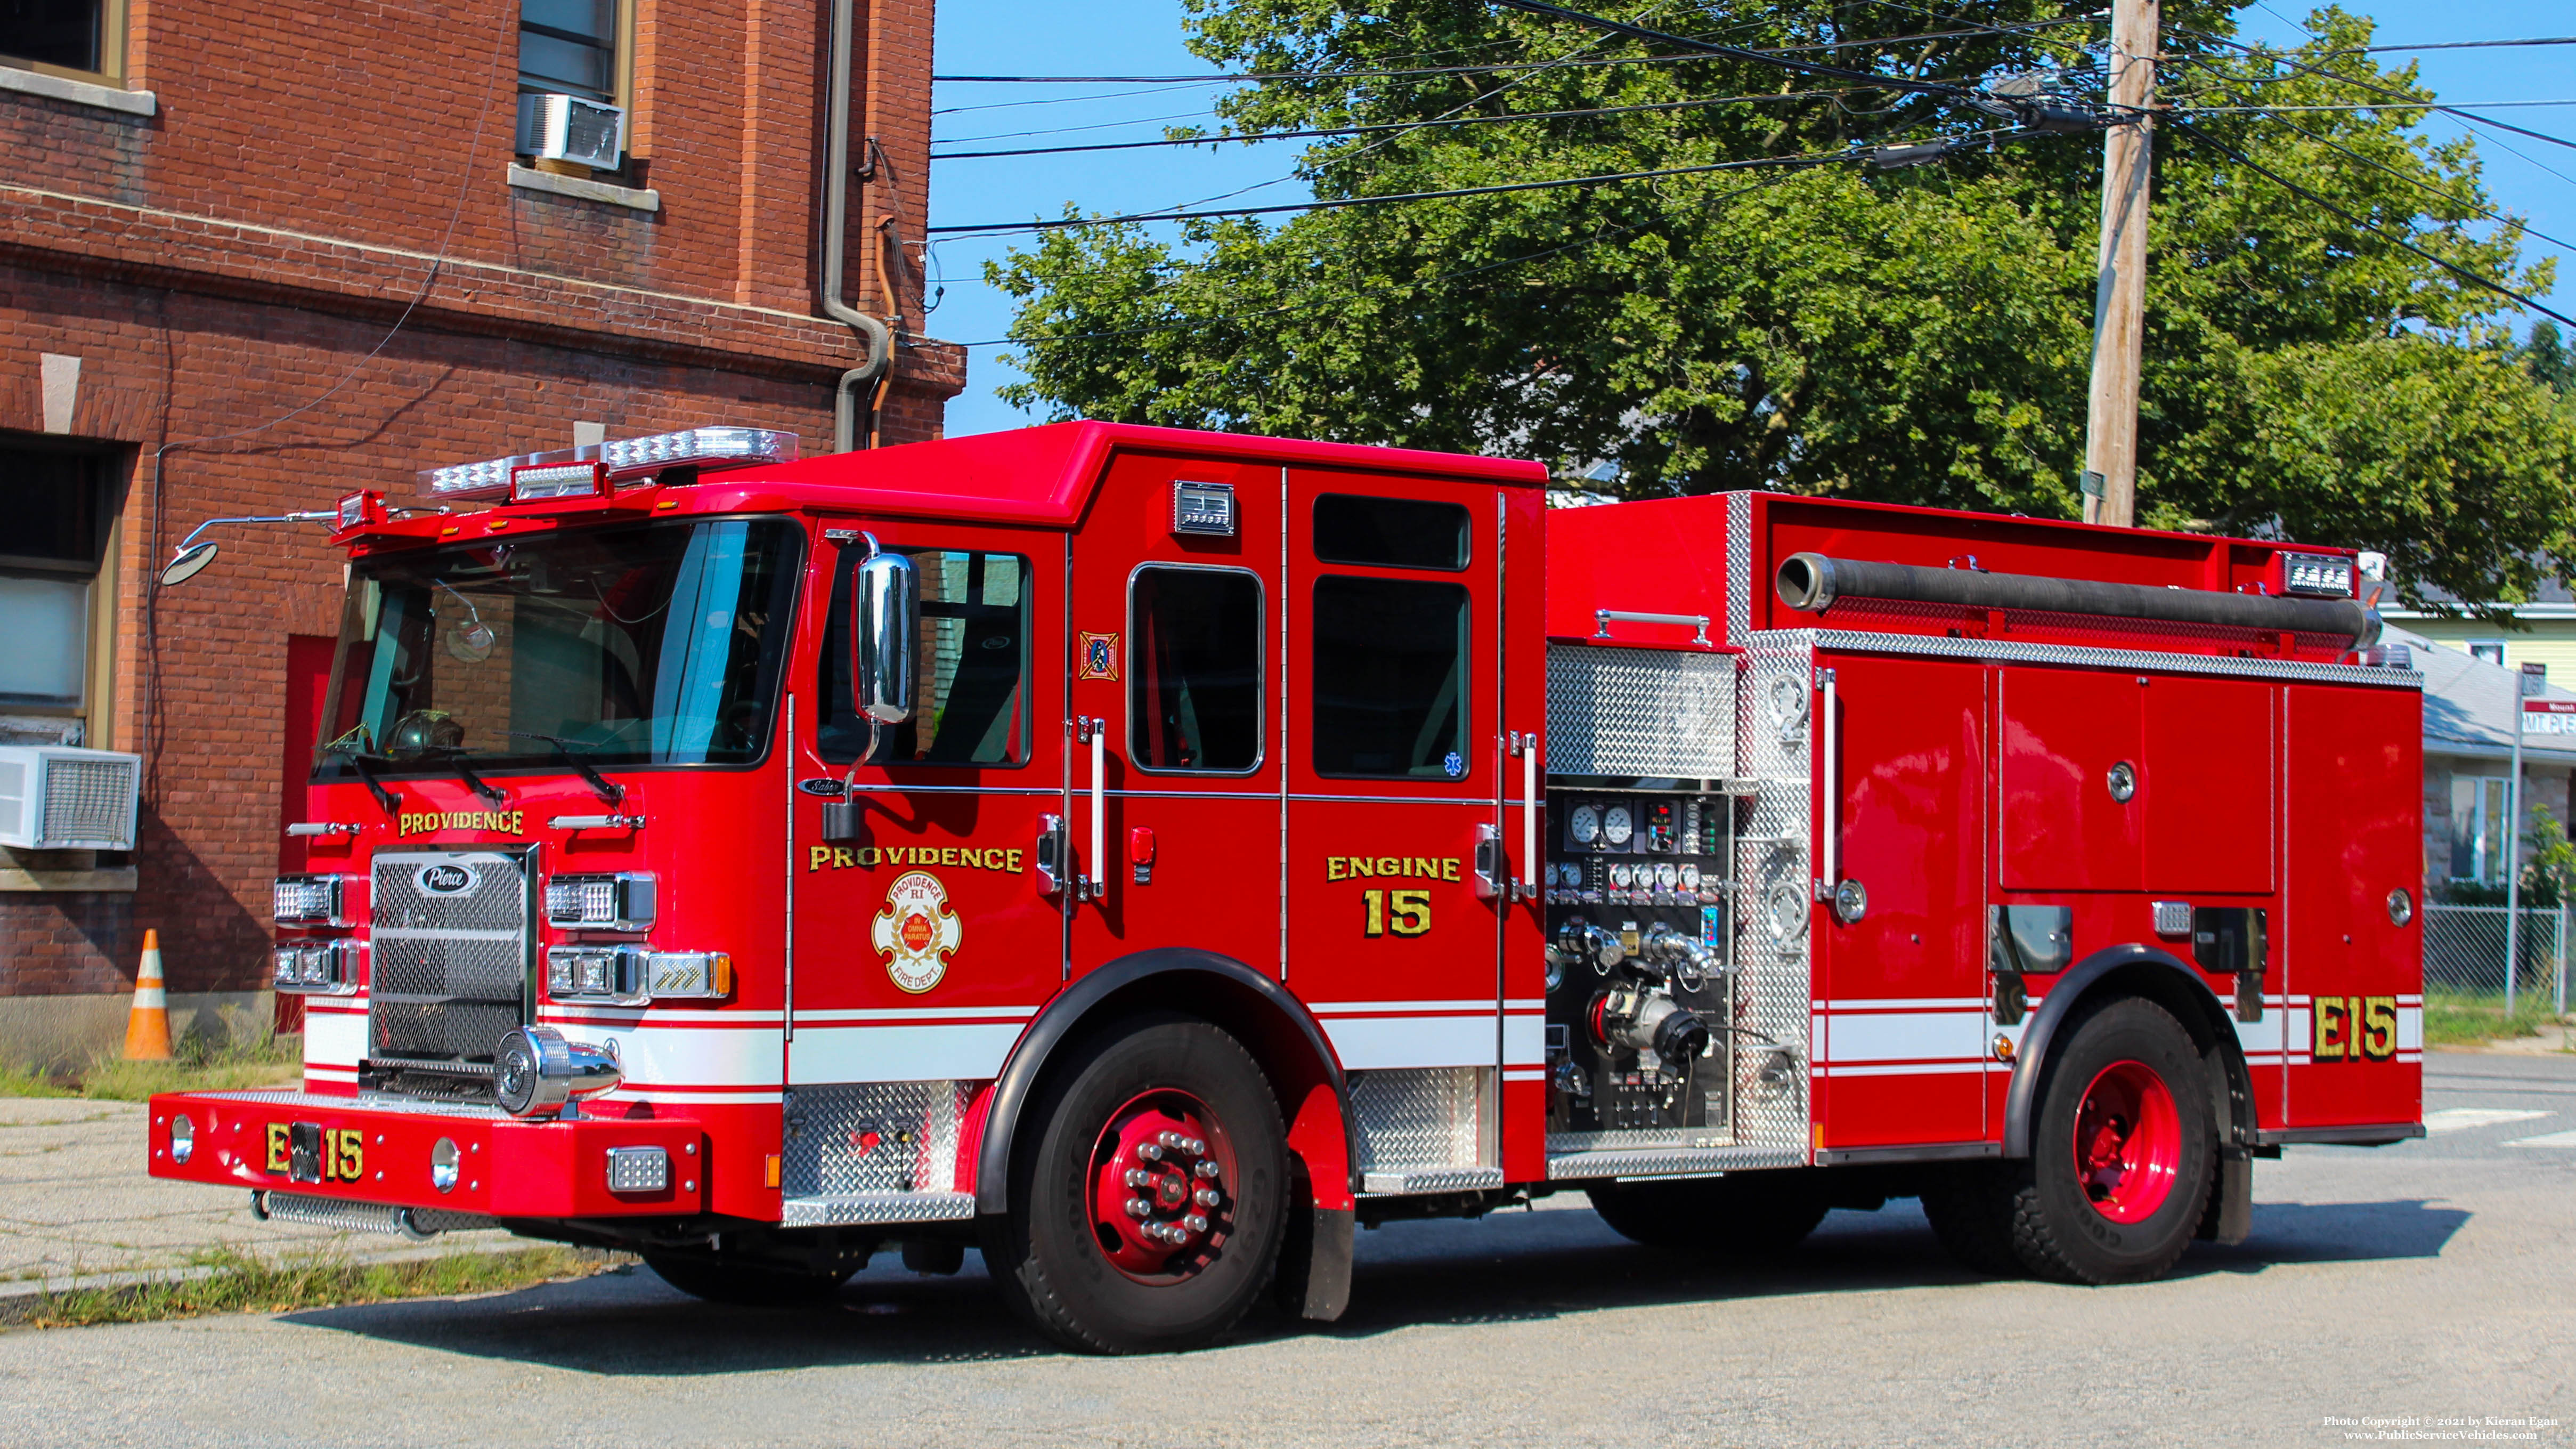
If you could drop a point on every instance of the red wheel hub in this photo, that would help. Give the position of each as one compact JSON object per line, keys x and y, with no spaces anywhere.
{"x":2128,"y":1142}
{"x":1162,"y":1187}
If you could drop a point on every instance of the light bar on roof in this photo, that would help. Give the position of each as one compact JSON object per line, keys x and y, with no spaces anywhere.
{"x":702,"y":448}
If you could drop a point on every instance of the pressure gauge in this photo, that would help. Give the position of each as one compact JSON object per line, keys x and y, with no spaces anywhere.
{"x":1570,"y":873}
{"x":1623,"y":875}
{"x":1667,"y":876}
{"x":1689,"y":875}
{"x":1585,"y":825}
{"x":1617,"y":826}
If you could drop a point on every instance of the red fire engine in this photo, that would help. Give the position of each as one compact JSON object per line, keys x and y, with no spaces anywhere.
{"x":1147,"y":855}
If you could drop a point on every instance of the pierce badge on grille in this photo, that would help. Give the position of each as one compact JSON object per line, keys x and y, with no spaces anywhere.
{"x":444,"y":880}
{"x":917,"y":931}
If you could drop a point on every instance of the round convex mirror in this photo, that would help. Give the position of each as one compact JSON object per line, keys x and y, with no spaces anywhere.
{"x":186,"y":566}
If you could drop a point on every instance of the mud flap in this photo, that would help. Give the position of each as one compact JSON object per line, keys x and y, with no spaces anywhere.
{"x":1315,"y":1263}
{"x":2229,"y":1217}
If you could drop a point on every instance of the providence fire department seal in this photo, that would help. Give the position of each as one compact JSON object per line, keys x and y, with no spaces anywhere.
{"x":917,"y":931}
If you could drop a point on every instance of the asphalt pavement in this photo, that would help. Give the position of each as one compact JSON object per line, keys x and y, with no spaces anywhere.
{"x":2387,"y":1293}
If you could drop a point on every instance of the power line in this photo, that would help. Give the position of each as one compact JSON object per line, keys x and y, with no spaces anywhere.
{"x":1731,"y":52}
{"x":2418,"y":181}
{"x":1815,"y":158}
{"x":2386,"y":106}
{"x":1289,"y":75}
{"x":1069,"y":130}
{"x":1252,"y":136}
{"x":2412,"y":102}
{"x":1427,"y":282}
{"x":2460,"y":45}
{"x":2194,"y":133}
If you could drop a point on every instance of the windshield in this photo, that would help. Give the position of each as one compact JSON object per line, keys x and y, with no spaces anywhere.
{"x":657,"y":644}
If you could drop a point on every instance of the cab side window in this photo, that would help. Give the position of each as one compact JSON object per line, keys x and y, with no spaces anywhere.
{"x":971,"y":700}
{"x":1390,"y":678}
{"x":1194,"y":673}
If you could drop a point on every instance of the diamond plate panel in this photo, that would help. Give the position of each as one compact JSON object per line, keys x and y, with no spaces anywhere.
{"x":872,"y":1139}
{"x":865,"y":1209}
{"x":1775,"y":898}
{"x":1421,"y":1118}
{"x":1739,"y":566}
{"x":1650,"y":712}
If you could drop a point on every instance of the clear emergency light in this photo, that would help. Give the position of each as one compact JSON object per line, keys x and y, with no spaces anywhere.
{"x":2316,"y":575}
{"x":624,"y":458}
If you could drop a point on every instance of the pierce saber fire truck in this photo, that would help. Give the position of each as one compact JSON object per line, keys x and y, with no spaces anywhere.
{"x":1148,"y":855}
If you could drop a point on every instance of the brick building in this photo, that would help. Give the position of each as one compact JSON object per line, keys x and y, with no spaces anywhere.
{"x":251,"y":259}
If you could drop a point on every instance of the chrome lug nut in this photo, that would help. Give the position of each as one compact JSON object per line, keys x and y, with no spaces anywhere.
{"x":1149,"y":1152}
{"x":1137,"y":1207}
{"x":1206,"y":1197}
{"x":1173,"y":1140}
{"x":1195,"y":1223}
{"x":1193,"y":1146}
{"x":1207,"y":1170}
{"x":1138,"y":1177}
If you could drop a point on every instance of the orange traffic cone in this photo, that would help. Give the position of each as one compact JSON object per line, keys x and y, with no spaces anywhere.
{"x":147,"y":1026}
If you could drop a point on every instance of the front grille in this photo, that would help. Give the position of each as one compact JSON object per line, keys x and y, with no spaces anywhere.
{"x":450,"y":965}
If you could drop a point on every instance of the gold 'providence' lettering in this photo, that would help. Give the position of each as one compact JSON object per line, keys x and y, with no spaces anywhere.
{"x":505,"y":822}
{"x":1390,"y":867}
{"x":954,"y":857}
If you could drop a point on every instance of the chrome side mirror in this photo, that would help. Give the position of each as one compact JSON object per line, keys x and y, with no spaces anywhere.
{"x":885,"y":622}
{"x":186,"y":566}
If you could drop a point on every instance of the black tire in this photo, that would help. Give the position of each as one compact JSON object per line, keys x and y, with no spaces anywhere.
{"x":2038,"y":1215}
{"x":1044,"y":1256}
{"x":1747,"y":1215}
{"x":748,"y":1285}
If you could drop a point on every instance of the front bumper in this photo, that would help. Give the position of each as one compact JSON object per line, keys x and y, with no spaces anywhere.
{"x":385,"y":1151}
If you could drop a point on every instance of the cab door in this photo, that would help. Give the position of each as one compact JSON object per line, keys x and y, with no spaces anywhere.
{"x":925,"y":938}
{"x":1397,"y":766}
{"x":1176,"y":671}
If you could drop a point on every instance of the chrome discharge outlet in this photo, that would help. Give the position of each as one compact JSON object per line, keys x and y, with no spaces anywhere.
{"x":536,"y":1072}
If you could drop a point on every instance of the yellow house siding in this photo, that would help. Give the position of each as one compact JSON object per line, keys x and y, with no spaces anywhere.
{"x":2551,"y":642}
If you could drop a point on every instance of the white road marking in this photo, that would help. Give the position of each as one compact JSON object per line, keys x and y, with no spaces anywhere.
{"x":2553,"y":1139}
{"x":2456,"y":1119}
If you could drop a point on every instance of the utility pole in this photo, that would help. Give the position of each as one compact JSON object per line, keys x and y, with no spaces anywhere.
{"x":2120,"y":285}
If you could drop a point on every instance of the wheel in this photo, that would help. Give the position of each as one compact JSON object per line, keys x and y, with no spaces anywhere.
{"x":1727,"y":1216}
{"x":1148,"y":1201}
{"x":749,"y":1284}
{"x":2120,"y":1162}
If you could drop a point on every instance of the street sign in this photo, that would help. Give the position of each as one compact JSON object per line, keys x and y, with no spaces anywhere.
{"x":2549,"y":716}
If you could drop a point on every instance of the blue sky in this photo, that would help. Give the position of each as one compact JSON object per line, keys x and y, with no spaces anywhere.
{"x":1143,"y":37}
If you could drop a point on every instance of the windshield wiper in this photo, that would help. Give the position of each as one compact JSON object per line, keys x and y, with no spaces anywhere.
{"x":600,"y":785}
{"x":454,"y":757}
{"x":364,"y":763}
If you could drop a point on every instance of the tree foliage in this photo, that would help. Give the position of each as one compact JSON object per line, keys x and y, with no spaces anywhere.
{"x":1918,"y":335}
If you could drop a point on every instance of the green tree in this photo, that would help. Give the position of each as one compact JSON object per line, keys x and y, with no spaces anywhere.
{"x":1919,"y":335}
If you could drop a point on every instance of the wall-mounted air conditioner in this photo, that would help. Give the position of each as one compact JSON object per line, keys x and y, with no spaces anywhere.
{"x":572,"y":128}
{"x":55,"y":798}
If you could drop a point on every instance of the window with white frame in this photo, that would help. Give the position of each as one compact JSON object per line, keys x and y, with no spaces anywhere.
{"x":2490,"y":650}
{"x":83,"y":38}
{"x":55,"y":500}
{"x":2478,"y":828}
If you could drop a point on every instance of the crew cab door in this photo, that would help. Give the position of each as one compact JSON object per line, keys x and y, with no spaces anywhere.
{"x":1397,"y":764}
{"x":924,"y":937}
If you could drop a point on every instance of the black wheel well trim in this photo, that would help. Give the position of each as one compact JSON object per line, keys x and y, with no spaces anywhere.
{"x":1057,"y":1022}
{"x":2077,"y":985}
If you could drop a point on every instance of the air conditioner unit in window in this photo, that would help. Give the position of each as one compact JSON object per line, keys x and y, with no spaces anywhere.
{"x":64,"y":799}
{"x":572,"y":128}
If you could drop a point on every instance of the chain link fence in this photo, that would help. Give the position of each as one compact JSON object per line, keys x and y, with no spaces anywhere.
{"x":2464,"y":955}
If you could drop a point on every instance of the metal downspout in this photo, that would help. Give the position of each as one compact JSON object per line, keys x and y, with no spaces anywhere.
{"x":836,"y":212}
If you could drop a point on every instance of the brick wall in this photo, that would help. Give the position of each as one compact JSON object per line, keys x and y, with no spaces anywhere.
{"x":233,"y":257}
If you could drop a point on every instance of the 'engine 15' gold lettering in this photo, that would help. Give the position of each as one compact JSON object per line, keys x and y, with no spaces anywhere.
{"x":2355,"y":1028}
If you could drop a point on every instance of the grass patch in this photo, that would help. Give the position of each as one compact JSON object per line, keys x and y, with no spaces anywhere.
{"x":243,"y":1053}
{"x":240,"y":1282}
{"x":2462,"y":1019}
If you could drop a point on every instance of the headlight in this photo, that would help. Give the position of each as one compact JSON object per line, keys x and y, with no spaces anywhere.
{"x":329,"y":968}
{"x":309,"y":900}
{"x":622,"y":902}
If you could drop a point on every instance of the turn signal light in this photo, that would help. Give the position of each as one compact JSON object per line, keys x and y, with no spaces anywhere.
{"x":318,"y":968}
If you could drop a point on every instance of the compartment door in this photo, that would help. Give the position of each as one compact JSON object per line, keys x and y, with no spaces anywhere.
{"x":2059,"y":735}
{"x":2207,"y":791}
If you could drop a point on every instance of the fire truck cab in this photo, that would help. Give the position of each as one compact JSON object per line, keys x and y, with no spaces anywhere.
{"x":1147,"y":856}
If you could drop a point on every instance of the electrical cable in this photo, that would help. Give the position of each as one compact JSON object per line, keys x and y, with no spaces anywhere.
{"x":1248,"y":137}
{"x":2194,"y":133}
{"x":2460,"y":45}
{"x":1730,"y":52}
{"x":1291,"y":75}
{"x":1814,"y":158}
{"x":2417,"y":181}
{"x":2411,"y":102}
